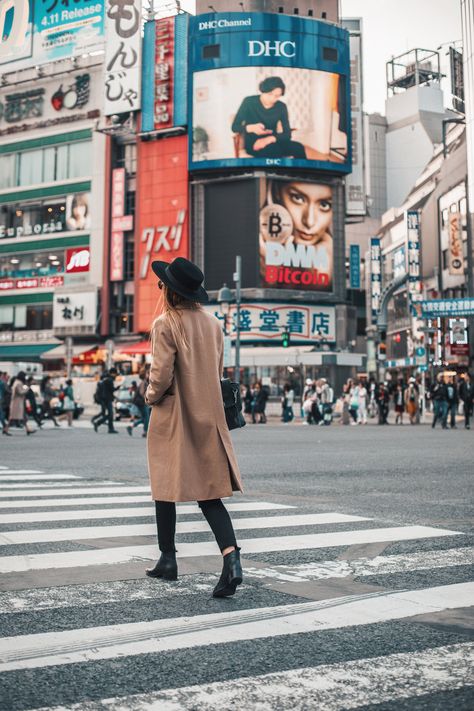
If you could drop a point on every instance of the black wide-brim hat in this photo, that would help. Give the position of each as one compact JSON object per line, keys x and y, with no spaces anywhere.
{"x":183,"y":277}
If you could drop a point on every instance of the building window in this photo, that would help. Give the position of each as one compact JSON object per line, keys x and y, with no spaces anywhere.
{"x":211,"y":51}
{"x":129,"y":257}
{"x":32,"y":264}
{"x":296,"y":11}
{"x":69,"y":213}
{"x":310,"y":13}
{"x":130,"y":159}
{"x":46,"y":165}
{"x":280,"y":10}
{"x":330,"y":54}
{"x":39,"y":316}
{"x":324,"y":15}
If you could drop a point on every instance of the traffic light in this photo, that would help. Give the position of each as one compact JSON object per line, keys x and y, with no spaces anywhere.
{"x":382,"y":351}
{"x":285,"y":338}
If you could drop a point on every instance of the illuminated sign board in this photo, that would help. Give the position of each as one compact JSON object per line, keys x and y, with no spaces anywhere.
{"x":269,"y":90}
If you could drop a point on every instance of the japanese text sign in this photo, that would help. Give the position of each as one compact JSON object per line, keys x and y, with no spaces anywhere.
{"x":375,"y":276}
{"x":122,"y":56}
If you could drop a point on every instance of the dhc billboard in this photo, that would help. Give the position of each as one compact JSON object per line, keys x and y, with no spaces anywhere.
{"x":268,"y":90}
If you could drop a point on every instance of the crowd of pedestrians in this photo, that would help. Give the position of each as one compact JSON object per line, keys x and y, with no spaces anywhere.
{"x":19,"y":402}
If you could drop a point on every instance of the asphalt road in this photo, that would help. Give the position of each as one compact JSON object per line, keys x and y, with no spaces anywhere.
{"x":358,"y":553}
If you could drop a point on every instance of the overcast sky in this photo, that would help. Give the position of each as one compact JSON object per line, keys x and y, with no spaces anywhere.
{"x":390,"y":28}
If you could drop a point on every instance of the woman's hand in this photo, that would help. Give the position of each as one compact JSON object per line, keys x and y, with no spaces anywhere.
{"x":257,"y":128}
{"x":261,"y":143}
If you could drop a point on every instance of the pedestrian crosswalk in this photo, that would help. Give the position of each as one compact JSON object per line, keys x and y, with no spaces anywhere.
{"x":321,"y":621}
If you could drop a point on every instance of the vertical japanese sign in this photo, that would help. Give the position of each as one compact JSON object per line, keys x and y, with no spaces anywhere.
{"x":116,"y":237}
{"x":413,"y":250}
{"x":354,"y":266}
{"x":375,"y":276}
{"x":355,"y":184}
{"x":455,"y":246}
{"x":457,"y":79}
{"x":164,"y":65}
{"x":122,"y":56}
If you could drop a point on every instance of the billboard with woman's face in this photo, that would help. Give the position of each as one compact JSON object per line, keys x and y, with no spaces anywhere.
{"x":269,"y":90}
{"x":296,"y":235}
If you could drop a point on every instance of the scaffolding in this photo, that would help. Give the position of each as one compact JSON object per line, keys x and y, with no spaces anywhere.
{"x":413,"y":68}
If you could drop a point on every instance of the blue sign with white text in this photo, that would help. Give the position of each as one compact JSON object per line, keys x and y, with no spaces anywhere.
{"x":269,"y":90}
{"x":354,"y":266}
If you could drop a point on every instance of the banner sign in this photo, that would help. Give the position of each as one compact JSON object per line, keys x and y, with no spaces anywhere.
{"x":31,"y":283}
{"x":455,"y":246}
{"x":447,"y":307}
{"x":267,"y":322}
{"x":164,"y":80}
{"x":413,"y":249}
{"x":296,"y":235}
{"x":457,"y":79}
{"x":269,"y":90}
{"x":122,"y":56}
{"x":354,"y":266}
{"x":117,"y":239}
{"x":34,"y":32}
{"x":375,"y":276}
{"x":74,"y":309}
{"x":355,"y":184}
{"x":162,"y":218}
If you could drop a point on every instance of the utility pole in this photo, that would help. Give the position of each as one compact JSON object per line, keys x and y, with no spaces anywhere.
{"x":237,"y":281}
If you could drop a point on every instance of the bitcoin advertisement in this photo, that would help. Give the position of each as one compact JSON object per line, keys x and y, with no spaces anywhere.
{"x":296,"y":235}
{"x":269,"y":90}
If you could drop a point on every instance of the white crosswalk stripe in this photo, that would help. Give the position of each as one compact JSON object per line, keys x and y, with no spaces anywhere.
{"x":113,"y":511}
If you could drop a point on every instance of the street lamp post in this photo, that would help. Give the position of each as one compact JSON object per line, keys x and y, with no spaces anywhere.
{"x":224,"y":299}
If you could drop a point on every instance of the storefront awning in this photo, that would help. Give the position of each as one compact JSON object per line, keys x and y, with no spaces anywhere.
{"x":139,"y":348}
{"x":30,"y":352}
{"x":59,"y":353}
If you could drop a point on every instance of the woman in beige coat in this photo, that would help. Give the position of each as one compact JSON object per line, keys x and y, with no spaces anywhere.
{"x":17,"y":405}
{"x":190,"y":452}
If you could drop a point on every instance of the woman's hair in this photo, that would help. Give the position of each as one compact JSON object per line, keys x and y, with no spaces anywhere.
{"x":173,"y":305}
{"x":21,"y":376}
{"x":271,"y":83}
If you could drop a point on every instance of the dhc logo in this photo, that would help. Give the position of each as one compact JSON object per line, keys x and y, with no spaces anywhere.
{"x":266,"y":48}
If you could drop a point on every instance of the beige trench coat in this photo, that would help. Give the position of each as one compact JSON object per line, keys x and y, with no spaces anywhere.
{"x":190,"y":451}
{"x":17,"y":405}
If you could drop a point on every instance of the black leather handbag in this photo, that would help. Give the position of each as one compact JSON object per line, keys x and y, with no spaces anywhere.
{"x":232,"y":404}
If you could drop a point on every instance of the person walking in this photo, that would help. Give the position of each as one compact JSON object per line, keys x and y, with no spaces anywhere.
{"x":137,"y":392}
{"x":3,"y":396}
{"x":383,"y":400}
{"x":190,"y":451}
{"x":327,"y":399}
{"x":108,"y":395}
{"x":362,"y":396}
{"x":69,"y":404}
{"x":452,"y":402}
{"x":354,"y":403}
{"x":47,"y":393}
{"x":288,"y":400}
{"x":17,"y":406}
{"x":412,"y":401}
{"x":261,"y":397}
{"x":399,"y":402}
{"x":439,"y":397}
{"x":466,"y":394}
{"x":30,"y":398}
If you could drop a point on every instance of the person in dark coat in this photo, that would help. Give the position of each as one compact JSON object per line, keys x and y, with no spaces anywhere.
{"x":439,"y":397}
{"x":466,"y":394}
{"x":383,"y":400}
{"x":108,"y":396}
{"x":453,"y":401}
{"x":47,"y":393}
{"x":261,"y":397}
{"x":30,"y":397}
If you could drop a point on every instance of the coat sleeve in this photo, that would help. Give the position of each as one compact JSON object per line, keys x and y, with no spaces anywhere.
{"x":162,"y":364}
{"x":221,"y":354}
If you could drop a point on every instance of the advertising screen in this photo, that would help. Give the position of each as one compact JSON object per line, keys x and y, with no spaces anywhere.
{"x":37,"y":31}
{"x":296,"y":235}
{"x":269,"y":90}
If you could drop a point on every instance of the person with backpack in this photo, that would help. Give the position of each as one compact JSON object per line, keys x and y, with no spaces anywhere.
{"x":107,"y":396}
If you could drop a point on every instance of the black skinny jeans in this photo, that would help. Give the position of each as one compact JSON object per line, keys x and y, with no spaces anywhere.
{"x":217,"y":517}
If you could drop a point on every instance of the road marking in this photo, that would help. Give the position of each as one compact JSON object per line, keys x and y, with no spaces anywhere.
{"x":80,"y":492}
{"x":44,"y":535}
{"x":363,"y":567}
{"x":332,"y":687}
{"x":7,"y":470}
{"x":78,"y":514}
{"x":112,"y":556}
{"x":154,"y":636}
{"x":33,"y":478}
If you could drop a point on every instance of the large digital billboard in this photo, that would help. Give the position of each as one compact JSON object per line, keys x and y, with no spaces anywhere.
{"x":296,"y":235}
{"x":269,"y":90}
{"x":33,"y":32}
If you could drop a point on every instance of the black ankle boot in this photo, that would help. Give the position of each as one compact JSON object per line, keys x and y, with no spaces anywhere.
{"x":166,"y":567}
{"x":231,"y":575}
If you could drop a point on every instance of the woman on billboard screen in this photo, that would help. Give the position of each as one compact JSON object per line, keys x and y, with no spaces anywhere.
{"x":296,"y":242}
{"x":264,"y":123}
